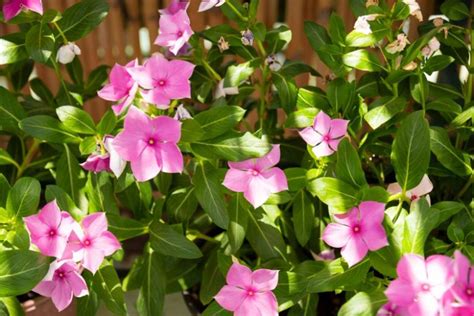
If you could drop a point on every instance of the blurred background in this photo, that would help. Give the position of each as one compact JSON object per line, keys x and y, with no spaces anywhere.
{"x":132,"y":25}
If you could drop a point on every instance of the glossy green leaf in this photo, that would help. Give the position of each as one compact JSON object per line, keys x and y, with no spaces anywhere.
{"x":384,"y":110}
{"x":152,"y":292}
{"x":107,"y":285}
{"x":23,"y":199}
{"x":238,"y":221}
{"x":418,"y":225}
{"x":212,"y":279}
{"x":303,"y":217}
{"x":48,"y":129}
{"x":12,"y":48}
{"x":349,"y":166}
{"x":362,"y":60}
{"x":40,"y":42}
{"x":181,"y":204}
{"x":363,"y":304}
{"x":125,"y":228}
{"x":76,"y":120}
{"x":165,"y":240}
{"x":337,"y":194}
{"x":219,"y":120}
{"x":11,"y":112}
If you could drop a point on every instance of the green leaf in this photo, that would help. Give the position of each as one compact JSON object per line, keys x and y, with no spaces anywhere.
{"x":107,"y":123}
{"x":6,"y":159}
{"x":219,"y":120}
{"x":348,"y":166}
{"x":237,"y":74}
{"x":182,"y":204}
{"x":12,"y":48}
{"x":152,"y":292}
{"x":239,"y":217}
{"x":294,"y":68}
{"x":43,"y":92}
{"x":362,"y":59}
{"x":358,"y":39}
{"x":82,"y":18}
{"x":341,"y":95}
{"x":76,"y":120}
{"x":21,"y":271}
{"x":310,"y":98}
{"x":232,"y":147}
{"x":107,"y":285}
{"x":23,"y":198}
{"x":411,"y":150}
{"x":337,"y":29}
{"x":363,"y":304}
{"x":278,"y":38}
{"x":125,"y":228}
{"x":455,"y":10}
{"x":446,"y":209}
{"x":437,"y":63}
{"x":68,"y":173}
{"x":287,"y":92}
{"x":11,"y":111}
{"x":418,"y":225}
{"x":165,"y":240}
{"x":301,"y":118}
{"x":65,"y":203}
{"x":447,"y":155}
{"x":48,"y":129}
{"x":384,"y":110}
{"x":89,"y":304}
{"x":303,"y":217}
{"x":212,"y":279}
{"x":11,"y":306}
{"x":296,"y":178}
{"x":444,"y":105}
{"x":215,"y":309}
{"x":337,"y":194}
{"x":40,"y":43}
{"x":4,"y":190}
{"x":191,"y":131}
{"x":208,"y":192}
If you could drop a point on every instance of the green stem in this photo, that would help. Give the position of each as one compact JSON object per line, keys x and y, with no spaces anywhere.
{"x":211,"y":71}
{"x":422,"y":89}
{"x":61,"y":79}
{"x":28,"y":158}
{"x":61,"y":33}
{"x":263,"y":93}
{"x":398,"y":211}
{"x":237,"y":12}
{"x":465,"y":187}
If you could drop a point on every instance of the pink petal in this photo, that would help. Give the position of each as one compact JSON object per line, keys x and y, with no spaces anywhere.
{"x":400,"y":292}
{"x":337,"y":235}
{"x":116,"y":164}
{"x":34,"y":5}
{"x":142,"y":76}
{"x":338,"y":128}
{"x":77,"y":284}
{"x":237,"y":180}
{"x":260,"y":304}
{"x":423,"y":188}
{"x":62,"y":295}
{"x":461,"y":267}
{"x":92,"y":259}
{"x":425,"y":305}
{"x":257,"y":192}
{"x":107,"y":243}
{"x":170,"y":157}
{"x":95,"y":224}
{"x":167,"y":129}
{"x":35,"y":226}
{"x":374,"y":237}
{"x":438,"y":268}
{"x":310,"y":136}
{"x":146,"y":166}
{"x":265,"y":279}
{"x":322,"y":123}
{"x":334,"y":144}
{"x":44,"y":288}
{"x":323,"y":150}
{"x":239,"y":276}
{"x":275,"y":179}
{"x":354,"y":251}
{"x":50,"y":214}
{"x":371,"y":213}
{"x":11,"y":9}
{"x":412,"y":269}
{"x":243,"y":165}
{"x":351,"y":218}
{"x":230,"y":297}
{"x":207,"y":5}
{"x":269,"y":160}
{"x":51,"y":246}
{"x":158,"y":97}
{"x":394,"y":188}
{"x":131,"y":142}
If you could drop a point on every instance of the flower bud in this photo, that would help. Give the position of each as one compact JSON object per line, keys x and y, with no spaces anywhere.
{"x":67,"y":53}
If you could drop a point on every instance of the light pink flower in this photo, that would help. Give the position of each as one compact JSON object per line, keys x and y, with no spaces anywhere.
{"x":256,"y":178}
{"x":415,"y":9}
{"x":150,"y":144}
{"x":175,"y":6}
{"x":92,"y":242}
{"x":357,"y":231}
{"x":175,"y":31}
{"x":422,"y":189}
{"x":50,"y":229}
{"x":62,"y":282}
{"x":325,"y":134}
{"x":209,"y":4}
{"x":397,"y":45}
{"x":460,"y":296}
{"x":11,"y":8}
{"x":420,"y":284}
{"x":97,"y":163}
{"x":116,"y":163}
{"x":362,"y":25}
{"x":122,"y":88}
{"x":249,"y":293}
{"x":325,"y":255}
{"x":432,"y":47}
{"x":390,"y":309}
{"x":165,"y":80}
{"x":109,"y":161}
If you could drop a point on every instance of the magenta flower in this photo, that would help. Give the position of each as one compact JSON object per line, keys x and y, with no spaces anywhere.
{"x":422,"y":189}
{"x":109,"y":161}
{"x":461,"y":295}
{"x":62,"y":282}
{"x":97,"y":163}
{"x":116,"y":163}
{"x":91,"y":244}
{"x":122,"y":88}
{"x":50,"y":229}
{"x":390,"y":309}
{"x":357,"y":231}
{"x":420,"y":284}
{"x":150,"y":144}
{"x":325,"y":134}
{"x":249,"y":293}
{"x":175,"y":31}
{"x":209,"y":4}
{"x":11,"y":8}
{"x":165,"y":80}
{"x":174,"y":7}
{"x":256,"y":178}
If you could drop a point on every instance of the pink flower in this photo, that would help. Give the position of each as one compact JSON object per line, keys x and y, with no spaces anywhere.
{"x":414,"y":194}
{"x":165,"y":80}
{"x":175,"y":6}
{"x":420,"y":284}
{"x":357,"y":231}
{"x":97,"y":163}
{"x":11,"y":8}
{"x":175,"y":31}
{"x":249,"y":293}
{"x":461,"y":295}
{"x":325,"y":255}
{"x":256,"y":177}
{"x":325,"y":134}
{"x":209,"y":4}
{"x":92,"y":243}
{"x":150,"y":144}
{"x":62,"y":282}
{"x":122,"y":88}
{"x":109,"y":162}
{"x":50,"y":229}
{"x":390,"y":309}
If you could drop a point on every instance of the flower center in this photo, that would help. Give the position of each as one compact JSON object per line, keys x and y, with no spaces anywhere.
{"x":425,"y":287}
{"x":52,"y":233}
{"x":151,"y":141}
{"x":326,"y":138}
{"x":87,"y":242}
{"x":180,"y":34}
{"x":250,"y":293}
{"x":161,"y":83}
{"x":414,"y":197}
{"x":61,"y":274}
{"x":469,"y":291}
{"x":356,"y":229}
{"x":254,"y":172}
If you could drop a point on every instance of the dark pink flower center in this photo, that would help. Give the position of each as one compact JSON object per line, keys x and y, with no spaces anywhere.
{"x":52,"y":233}
{"x":356,"y":229}
{"x":250,"y":293}
{"x":180,"y":34}
{"x":469,"y":291}
{"x":161,"y":83}
{"x":425,"y":287}
{"x":87,"y":242}
{"x":254,"y":172}
{"x":60,"y":274}
{"x":414,"y":197}
{"x":326,"y":138}
{"x":151,"y":141}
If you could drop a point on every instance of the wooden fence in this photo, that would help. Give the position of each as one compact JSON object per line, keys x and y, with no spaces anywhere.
{"x":132,"y":25}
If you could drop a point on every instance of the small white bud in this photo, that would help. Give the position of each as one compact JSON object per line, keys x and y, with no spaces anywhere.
{"x":67,"y":53}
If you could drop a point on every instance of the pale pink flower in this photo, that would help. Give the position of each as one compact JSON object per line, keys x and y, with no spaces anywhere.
{"x":209,"y":4}
{"x":150,"y":144}
{"x":357,"y":231}
{"x":67,"y":53}
{"x":325,"y":255}
{"x":415,"y":9}
{"x":110,"y":161}
{"x":460,"y":297}
{"x":432,"y":47}
{"x":422,"y":189}
{"x":182,"y":113}
{"x":92,"y":242}
{"x":50,"y":229}
{"x":175,"y":31}
{"x":257,"y":178}
{"x":390,"y":309}
{"x":175,"y":6}
{"x":420,"y":284}
{"x":362,"y":25}
{"x":96,"y":163}
{"x":11,"y":8}
{"x":116,"y":163}
{"x":165,"y":80}
{"x":62,"y":282}
{"x":249,"y":293}
{"x":122,"y":88}
{"x":325,"y":134}
{"x":398,"y":45}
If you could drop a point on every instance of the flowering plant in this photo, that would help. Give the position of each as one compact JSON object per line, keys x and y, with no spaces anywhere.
{"x":256,"y":194}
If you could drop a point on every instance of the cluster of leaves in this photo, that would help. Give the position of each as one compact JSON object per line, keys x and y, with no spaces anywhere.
{"x":402,"y":126}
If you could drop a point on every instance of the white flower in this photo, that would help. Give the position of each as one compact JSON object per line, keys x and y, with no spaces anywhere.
{"x":275,"y":61}
{"x":222,"y":92}
{"x":182,"y":113}
{"x":66,"y":53}
{"x":432,"y":47}
{"x":415,"y":9}
{"x":362,"y":25}
{"x":117,"y":164}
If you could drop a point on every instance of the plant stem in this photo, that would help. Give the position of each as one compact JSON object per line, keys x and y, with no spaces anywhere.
{"x":263,"y":93}
{"x":61,"y":33}
{"x":237,"y":12}
{"x":465,"y":187}
{"x":211,"y":71}
{"x":28,"y":158}
{"x":422,"y":90}
{"x":61,"y":79}
{"x":398,"y":211}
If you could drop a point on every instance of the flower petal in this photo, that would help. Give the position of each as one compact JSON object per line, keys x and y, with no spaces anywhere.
{"x":77,"y":284}
{"x":44,"y":288}
{"x":62,"y":295}
{"x":146,"y":166}
{"x":230,"y":297}
{"x":322,"y":123}
{"x":310,"y":136}
{"x":239,"y":275}
{"x":269,"y":160}
{"x":237,"y":180}
{"x":323,"y":150}
{"x":265,"y":279}
{"x":374,"y":236}
{"x":338,"y":128}
{"x":95,"y":224}
{"x":170,"y":157}
{"x":92,"y":259}
{"x":107,"y":243}
{"x":354,"y":251}
{"x":371,"y":213}
{"x":166,"y":129}
{"x":412,"y":268}
{"x":50,"y":214}
{"x":336,"y":235}
{"x":275,"y":179}
{"x":257,"y":192}
{"x":423,"y":188}
{"x":400,"y":292}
